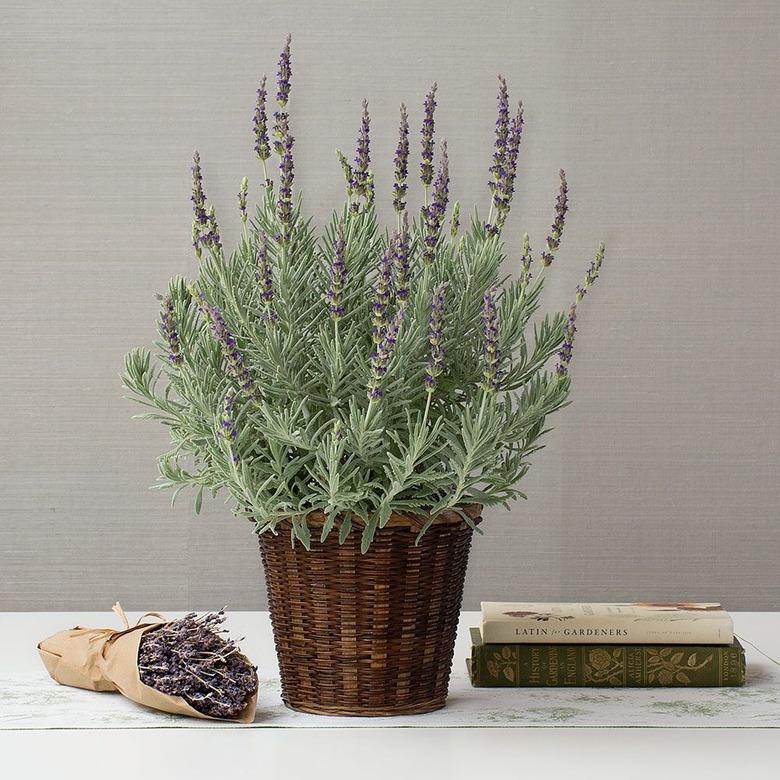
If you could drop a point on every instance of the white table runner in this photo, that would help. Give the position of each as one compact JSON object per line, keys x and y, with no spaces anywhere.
{"x":32,"y":700}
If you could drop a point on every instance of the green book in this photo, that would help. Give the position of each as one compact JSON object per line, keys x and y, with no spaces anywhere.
{"x":608,"y":665}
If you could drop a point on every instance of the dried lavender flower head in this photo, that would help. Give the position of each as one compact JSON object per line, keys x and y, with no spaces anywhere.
{"x":187,"y":657}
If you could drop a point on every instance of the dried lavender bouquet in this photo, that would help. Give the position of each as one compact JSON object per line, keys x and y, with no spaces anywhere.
{"x":180,"y":666}
{"x":357,"y":369}
{"x":187,"y":657}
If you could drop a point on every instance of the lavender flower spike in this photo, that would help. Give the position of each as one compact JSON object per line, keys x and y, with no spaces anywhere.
{"x":227,"y":429}
{"x":564,"y":355}
{"x":212,"y":238}
{"x":260,"y":124}
{"x":242,"y":195}
{"x":382,"y":293}
{"x":561,"y":207}
{"x":382,"y":355}
{"x":286,"y":177}
{"x":283,"y":144}
{"x":428,"y":127}
{"x":265,"y":279}
{"x":435,"y":364}
{"x":205,"y":232}
{"x":491,"y":354}
{"x":525,"y":263}
{"x":349,"y":177}
{"x":455,"y":221}
{"x":507,"y":183}
{"x":434,"y":214}
{"x":230,"y":350}
{"x":170,"y":330}
{"x":338,"y":275}
{"x":498,"y":169}
{"x":403,"y":271}
{"x":506,"y":150}
{"x":362,"y":175}
{"x":592,"y":274}
{"x":200,"y":219}
{"x":284,"y":74}
{"x":401,"y":162}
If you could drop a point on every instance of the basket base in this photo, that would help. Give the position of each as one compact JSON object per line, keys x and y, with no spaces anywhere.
{"x":366,"y":712}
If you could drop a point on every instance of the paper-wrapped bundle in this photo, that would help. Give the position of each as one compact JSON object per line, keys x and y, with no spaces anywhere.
{"x":180,"y":666}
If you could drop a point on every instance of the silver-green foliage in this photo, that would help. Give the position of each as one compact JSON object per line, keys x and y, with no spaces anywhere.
{"x":321,"y":427}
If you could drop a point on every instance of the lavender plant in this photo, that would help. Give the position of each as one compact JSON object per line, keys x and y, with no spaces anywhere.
{"x":362,"y":370}
{"x":188,"y":658}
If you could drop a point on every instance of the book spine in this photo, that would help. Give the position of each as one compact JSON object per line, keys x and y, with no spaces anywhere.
{"x":610,"y":631}
{"x":627,"y":666}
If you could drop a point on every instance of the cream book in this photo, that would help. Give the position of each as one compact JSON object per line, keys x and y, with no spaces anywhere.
{"x":630,"y":623}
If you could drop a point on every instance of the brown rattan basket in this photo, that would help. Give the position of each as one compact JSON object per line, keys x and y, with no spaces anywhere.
{"x":368,"y":634}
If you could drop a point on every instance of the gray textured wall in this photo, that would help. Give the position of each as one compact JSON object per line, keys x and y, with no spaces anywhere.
{"x":660,"y":481}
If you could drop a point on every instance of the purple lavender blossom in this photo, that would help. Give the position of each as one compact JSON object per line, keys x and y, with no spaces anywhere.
{"x":505,"y":155}
{"x":592,"y":274}
{"x":228,"y":424}
{"x":283,"y":145}
{"x":491,"y":354}
{"x":498,"y":169}
{"x":435,"y":364}
{"x":362,"y":175}
{"x":200,"y":219}
{"x":338,"y":274}
{"x":401,"y":162}
{"x":242,"y":196}
{"x":214,"y":241}
{"x":512,"y":154}
{"x":188,"y":658}
{"x":230,"y":350}
{"x":382,"y":355}
{"x":427,"y":131}
{"x":561,"y":207}
{"x":286,"y":177}
{"x":564,"y":355}
{"x":284,"y":74}
{"x":227,"y":429}
{"x":403,"y":271}
{"x":260,"y":124}
{"x":198,"y":197}
{"x":379,"y":308}
{"x":434,"y":213}
{"x":265,"y":279}
{"x":170,"y":329}
{"x":205,"y":231}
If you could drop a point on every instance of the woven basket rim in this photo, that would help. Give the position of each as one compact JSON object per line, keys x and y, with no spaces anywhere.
{"x":413,"y":520}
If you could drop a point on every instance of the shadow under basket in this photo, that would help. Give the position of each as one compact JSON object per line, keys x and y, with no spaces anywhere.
{"x":368,"y":634}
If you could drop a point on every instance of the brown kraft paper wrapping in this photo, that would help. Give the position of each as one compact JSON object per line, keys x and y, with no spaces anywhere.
{"x":104,"y":659}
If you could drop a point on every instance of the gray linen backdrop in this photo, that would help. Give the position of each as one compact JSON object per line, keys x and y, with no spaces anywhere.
{"x":660,"y":480}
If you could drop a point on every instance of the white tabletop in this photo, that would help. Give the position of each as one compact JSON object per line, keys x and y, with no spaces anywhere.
{"x":451,"y":743}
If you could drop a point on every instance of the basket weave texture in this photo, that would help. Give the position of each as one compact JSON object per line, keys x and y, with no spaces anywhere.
{"x":368,"y":634}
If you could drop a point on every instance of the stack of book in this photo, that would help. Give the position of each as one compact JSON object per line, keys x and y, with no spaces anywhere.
{"x":605,"y":645}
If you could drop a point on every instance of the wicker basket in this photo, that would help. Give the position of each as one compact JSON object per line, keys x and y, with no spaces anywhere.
{"x":368,"y":634}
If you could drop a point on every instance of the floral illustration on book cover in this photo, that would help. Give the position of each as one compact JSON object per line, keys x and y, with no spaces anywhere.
{"x":664,"y":666}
